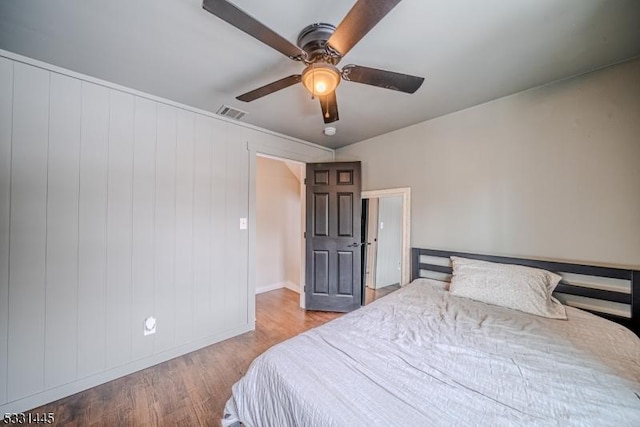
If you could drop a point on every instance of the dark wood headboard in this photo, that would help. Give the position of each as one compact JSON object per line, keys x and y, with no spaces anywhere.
{"x":630,"y":298}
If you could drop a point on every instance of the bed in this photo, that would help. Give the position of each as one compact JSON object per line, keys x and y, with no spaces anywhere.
{"x":424,"y":356}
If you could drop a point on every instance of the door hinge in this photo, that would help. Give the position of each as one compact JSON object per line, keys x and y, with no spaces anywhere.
{"x":305,"y":181}
{"x":304,"y":235}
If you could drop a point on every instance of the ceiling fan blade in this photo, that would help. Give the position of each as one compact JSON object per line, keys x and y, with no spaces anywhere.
{"x":270,"y":88}
{"x":362,"y":17}
{"x":382,"y":78}
{"x":329,"y":106}
{"x":242,"y":21}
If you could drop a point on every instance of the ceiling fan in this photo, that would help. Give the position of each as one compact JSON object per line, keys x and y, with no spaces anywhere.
{"x":320,"y":47}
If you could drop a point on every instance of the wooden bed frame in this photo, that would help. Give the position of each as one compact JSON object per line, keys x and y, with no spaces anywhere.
{"x":633,"y":276}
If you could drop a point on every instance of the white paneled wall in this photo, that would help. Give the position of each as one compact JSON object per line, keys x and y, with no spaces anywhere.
{"x":61,"y":281}
{"x":144,"y":188}
{"x":6,"y":108}
{"x":165,"y":226}
{"x":92,"y":230}
{"x":184,"y":227}
{"x":28,"y":231}
{"x":119,"y":289}
{"x":114,"y":206}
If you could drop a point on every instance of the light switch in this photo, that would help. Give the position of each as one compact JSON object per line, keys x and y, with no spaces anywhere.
{"x":243,"y":223}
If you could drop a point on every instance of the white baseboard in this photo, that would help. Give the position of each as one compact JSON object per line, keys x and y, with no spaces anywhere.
{"x":295,"y":288}
{"x":271,"y":287}
{"x":288,"y":284}
{"x":385,"y":285}
{"x":85,"y":383}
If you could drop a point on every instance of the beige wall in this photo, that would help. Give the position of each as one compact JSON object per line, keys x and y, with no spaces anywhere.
{"x":278,"y":225}
{"x":552,"y":172}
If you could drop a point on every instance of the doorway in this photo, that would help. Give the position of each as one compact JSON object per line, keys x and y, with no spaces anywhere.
{"x":279,"y":224}
{"x":385,"y":231}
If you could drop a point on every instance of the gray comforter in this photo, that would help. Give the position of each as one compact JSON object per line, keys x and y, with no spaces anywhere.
{"x":422,"y":357}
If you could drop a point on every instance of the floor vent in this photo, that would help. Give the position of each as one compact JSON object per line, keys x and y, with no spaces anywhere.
{"x":231,"y":112}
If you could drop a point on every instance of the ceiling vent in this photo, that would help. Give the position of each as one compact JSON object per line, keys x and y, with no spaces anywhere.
{"x":230,"y":112}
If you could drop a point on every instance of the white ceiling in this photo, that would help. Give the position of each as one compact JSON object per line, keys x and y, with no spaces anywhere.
{"x":469,"y":51}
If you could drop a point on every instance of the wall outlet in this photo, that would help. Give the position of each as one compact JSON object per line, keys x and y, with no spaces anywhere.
{"x":149,"y":325}
{"x":243,"y":223}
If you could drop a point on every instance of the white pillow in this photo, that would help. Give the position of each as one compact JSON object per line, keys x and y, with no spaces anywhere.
{"x":514,"y":286}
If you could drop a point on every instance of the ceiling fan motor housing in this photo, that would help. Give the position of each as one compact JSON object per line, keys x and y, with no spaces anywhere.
{"x":313,"y":39}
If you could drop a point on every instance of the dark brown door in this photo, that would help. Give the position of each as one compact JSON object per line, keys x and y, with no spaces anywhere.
{"x":333,"y":263}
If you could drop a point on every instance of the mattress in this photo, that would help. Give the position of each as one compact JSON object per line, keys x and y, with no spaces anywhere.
{"x":421,"y":356}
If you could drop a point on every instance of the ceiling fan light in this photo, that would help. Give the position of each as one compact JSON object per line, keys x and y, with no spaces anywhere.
{"x":320,"y":79}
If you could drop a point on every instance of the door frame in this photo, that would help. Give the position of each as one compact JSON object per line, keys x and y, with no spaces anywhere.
{"x":303,"y":152}
{"x":371,"y":247}
{"x":303,"y":223}
{"x":405,"y":192}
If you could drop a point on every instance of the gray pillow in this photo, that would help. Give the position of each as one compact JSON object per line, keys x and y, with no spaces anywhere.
{"x":520,"y":288}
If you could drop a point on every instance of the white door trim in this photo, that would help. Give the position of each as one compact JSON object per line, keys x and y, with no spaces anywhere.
{"x":405,"y":192}
{"x":272,"y":149}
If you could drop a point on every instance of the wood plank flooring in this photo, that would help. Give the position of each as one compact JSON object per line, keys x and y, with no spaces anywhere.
{"x":373,"y":294}
{"x":191,"y":390}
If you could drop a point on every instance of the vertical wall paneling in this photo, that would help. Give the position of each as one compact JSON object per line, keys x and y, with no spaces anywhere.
{"x":202,"y":226}
{"x":28,"y":231}
{"x":234,"y":213}
{"x":119,"y":227}
{"x":62,"y":231}
{"x":144,"y":177}
{"x":165,"y":227}
{"x":6,"y":108}
{"x":114,"y":207}
{"x":252,"y":244}
{"x":219,"y":223}
{"x":243,"y":190}
{"x":184,"y":227}
{"x":92,"y":229}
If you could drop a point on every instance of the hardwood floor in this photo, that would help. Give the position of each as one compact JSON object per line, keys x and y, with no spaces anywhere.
{"x":373,"y":294}
{"x":191,"y":390}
